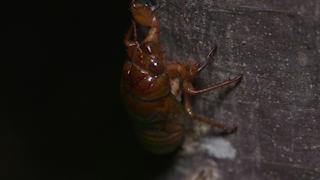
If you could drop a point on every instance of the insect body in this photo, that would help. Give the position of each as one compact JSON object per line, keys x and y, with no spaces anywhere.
{"x":152,"y":85}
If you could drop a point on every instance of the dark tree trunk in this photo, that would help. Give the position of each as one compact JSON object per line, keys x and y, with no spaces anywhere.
{"x":276,"y":45}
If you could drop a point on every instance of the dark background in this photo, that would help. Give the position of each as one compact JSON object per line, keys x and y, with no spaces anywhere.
{"x":61,"y":115}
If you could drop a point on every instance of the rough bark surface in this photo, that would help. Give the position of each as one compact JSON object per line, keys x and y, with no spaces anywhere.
{"x":276,"y":45}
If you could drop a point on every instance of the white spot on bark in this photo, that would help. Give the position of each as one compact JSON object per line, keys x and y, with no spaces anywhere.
{"x":218,"y":147}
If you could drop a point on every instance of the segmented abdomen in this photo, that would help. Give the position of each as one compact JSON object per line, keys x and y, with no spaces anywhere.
{"x":159,"y":124}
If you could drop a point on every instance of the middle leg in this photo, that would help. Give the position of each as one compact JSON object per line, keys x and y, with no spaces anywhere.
{"x":189,"y":110}
{"x":188,"y":87}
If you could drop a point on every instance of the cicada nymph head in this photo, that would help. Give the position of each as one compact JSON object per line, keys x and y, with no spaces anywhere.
{"x":144,"y":75}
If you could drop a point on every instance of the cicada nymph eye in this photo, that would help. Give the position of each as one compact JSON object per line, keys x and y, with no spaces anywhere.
{"x":156,"y":67}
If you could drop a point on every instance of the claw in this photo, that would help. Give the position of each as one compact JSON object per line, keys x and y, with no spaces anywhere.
{"x":143,"y":14}
{"x":230,"y":129}
{"x":207,"y":59}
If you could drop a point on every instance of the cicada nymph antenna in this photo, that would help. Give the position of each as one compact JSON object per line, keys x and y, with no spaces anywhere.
{"x":135,"y":34}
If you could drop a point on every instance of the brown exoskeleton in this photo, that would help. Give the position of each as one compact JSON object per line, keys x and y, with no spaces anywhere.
{"x":152,"y":85}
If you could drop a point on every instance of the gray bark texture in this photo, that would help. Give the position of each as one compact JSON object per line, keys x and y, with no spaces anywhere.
{"x":276,"y":45}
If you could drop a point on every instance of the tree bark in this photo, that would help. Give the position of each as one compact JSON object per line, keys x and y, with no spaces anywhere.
{"x":276,"y":45}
